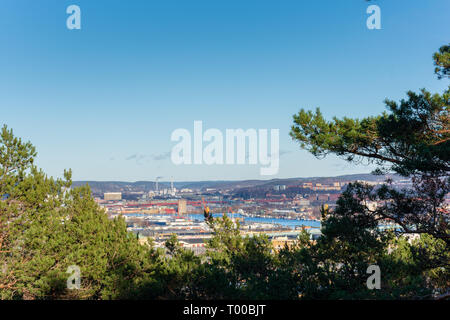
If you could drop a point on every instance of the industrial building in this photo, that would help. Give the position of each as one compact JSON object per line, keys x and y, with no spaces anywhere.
{"x":112,"y":196}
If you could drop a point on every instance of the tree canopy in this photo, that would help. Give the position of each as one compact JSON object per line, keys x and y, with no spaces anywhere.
{"x":442,"y":62}
{"x":47,"y":226}
{"x":412,"y":139}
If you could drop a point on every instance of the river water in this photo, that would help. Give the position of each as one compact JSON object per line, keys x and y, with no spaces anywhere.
{"x":284,"y":222}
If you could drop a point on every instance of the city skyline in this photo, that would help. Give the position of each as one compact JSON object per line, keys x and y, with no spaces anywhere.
{"x":105,"y":99}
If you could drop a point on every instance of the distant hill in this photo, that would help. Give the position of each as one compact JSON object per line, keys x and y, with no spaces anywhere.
{"x":99,"y":187}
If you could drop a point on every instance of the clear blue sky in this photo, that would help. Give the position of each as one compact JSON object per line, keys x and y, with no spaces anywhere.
{"x":104,"y":100}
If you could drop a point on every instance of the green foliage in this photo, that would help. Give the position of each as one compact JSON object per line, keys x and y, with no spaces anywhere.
{"x":442,"y":62}
{"x":412,"y":139}
{"x":45,"y":227}
{"x":237,"y":267}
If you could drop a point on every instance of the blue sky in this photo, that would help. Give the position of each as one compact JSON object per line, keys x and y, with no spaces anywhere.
{"x":104,"y":100}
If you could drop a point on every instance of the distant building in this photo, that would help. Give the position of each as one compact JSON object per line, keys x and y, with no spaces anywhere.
{"x":279,"y":187}
{"x":323,"y":187}
{"x":323,"y":197}
{"x":182,"y":206}
{"x":308,"y":185}
{"x":303,"y":202}
{"x":371,"y":205}
{"x":314,"y":233}
{"x":112,"y":196}
{"x":279,"y":243}
{"x":334,"y":196}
